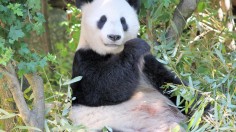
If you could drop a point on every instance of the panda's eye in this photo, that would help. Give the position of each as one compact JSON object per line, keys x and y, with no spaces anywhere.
{"x":122,"y":20}
{"x":103,"y":18}
{"x":101,"y":21}
{"x":124,"y":24}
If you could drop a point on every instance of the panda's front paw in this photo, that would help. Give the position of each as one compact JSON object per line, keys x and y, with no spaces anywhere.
{"x":137,"y":46}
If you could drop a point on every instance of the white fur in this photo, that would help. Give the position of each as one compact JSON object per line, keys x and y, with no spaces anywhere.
{"x":93,"y":38}
{"x":146,"y":111}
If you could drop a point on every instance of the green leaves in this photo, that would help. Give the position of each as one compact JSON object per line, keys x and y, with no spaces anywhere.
{"x":32,"y":65}
{"x":166,"y":3}
{"x":27,"y":128}
{"x":5,"y":115}
{"x":5,"y":56}
{"x":2,"y":42}
{"x":219,"y":54}
{"x":39,"y":17}
{"x":34,"y":4}
{"x":38,"y":27}
{"x":76,"y":79}
{"x":24,"y":50}
{"x":201,"y":6}
{"x":16,"y":8}
{"x":15,"y":33}
{"x":3,"y":8}
{"x":207,"y":64}
{"x":147,"y":4}
{"x":18,"y":20}
{"x":107,"y":129}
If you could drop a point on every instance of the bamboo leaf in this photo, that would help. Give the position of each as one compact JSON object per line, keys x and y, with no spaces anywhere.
{"x":76,"y":79}
{"x":7,"y":116}
{"x":27,"y":128}
{"x":174,"y":27}
{"x":219,"y":54}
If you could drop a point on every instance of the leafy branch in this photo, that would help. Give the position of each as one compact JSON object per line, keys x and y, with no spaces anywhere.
{"x":19,"y":19}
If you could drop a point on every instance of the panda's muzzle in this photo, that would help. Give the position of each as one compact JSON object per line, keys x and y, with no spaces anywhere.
{"x":112,"y":45}
{"x":114,"y":37}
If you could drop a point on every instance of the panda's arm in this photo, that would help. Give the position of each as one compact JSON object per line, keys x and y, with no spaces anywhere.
{"x":159,"y":75}
{"x":107,"y":80}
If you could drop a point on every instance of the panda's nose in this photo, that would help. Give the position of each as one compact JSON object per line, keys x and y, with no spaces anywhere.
{"x":113,"y":37}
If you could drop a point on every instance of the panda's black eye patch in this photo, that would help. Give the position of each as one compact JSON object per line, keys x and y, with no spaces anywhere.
{"x":101,"y":21}
{"x":124,"y":24}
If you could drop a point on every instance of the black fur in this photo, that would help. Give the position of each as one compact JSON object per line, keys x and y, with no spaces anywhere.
{"x":108,"y":79}
{"x":112,"y":79}
{"x":124,"y":24}
{"x":158,"y":75}
{"x":101,"y":22}
{"x":79,"y":3}
{"x":134,"y":3}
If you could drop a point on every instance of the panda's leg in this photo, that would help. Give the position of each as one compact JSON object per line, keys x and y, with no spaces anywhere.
{"x":159,"y":75}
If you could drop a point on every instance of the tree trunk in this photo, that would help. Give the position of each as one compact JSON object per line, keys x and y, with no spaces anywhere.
{"x":35,"y":117}
{"x":46,"y":36}
{"x":5,"y":95}
{"x":182,"y":12}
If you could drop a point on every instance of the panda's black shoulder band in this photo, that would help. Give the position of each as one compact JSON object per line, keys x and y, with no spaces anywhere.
{"x":79,"y":3}
{"x":135,"y":4}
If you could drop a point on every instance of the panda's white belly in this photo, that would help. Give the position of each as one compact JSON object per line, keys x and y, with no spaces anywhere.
{"x":146,"y":111}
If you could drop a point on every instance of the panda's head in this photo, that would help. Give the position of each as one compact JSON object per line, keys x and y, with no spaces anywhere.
{"x":107,"y":24}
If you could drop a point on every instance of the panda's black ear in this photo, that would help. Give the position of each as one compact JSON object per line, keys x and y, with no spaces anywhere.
{"x":79,"y":3}
{"x":135,"y":4}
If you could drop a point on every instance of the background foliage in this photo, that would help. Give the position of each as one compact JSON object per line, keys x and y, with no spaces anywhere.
{"x":18,"y":20}
{"x":201,"y":57}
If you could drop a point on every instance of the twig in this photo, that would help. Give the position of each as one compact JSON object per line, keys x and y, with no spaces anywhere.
{"x":199,"y":36}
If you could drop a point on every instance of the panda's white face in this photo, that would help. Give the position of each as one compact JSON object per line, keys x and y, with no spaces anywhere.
{"x":106,"y":25}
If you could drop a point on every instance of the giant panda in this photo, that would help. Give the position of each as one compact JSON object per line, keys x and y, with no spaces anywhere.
{"x":121,"y":84}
